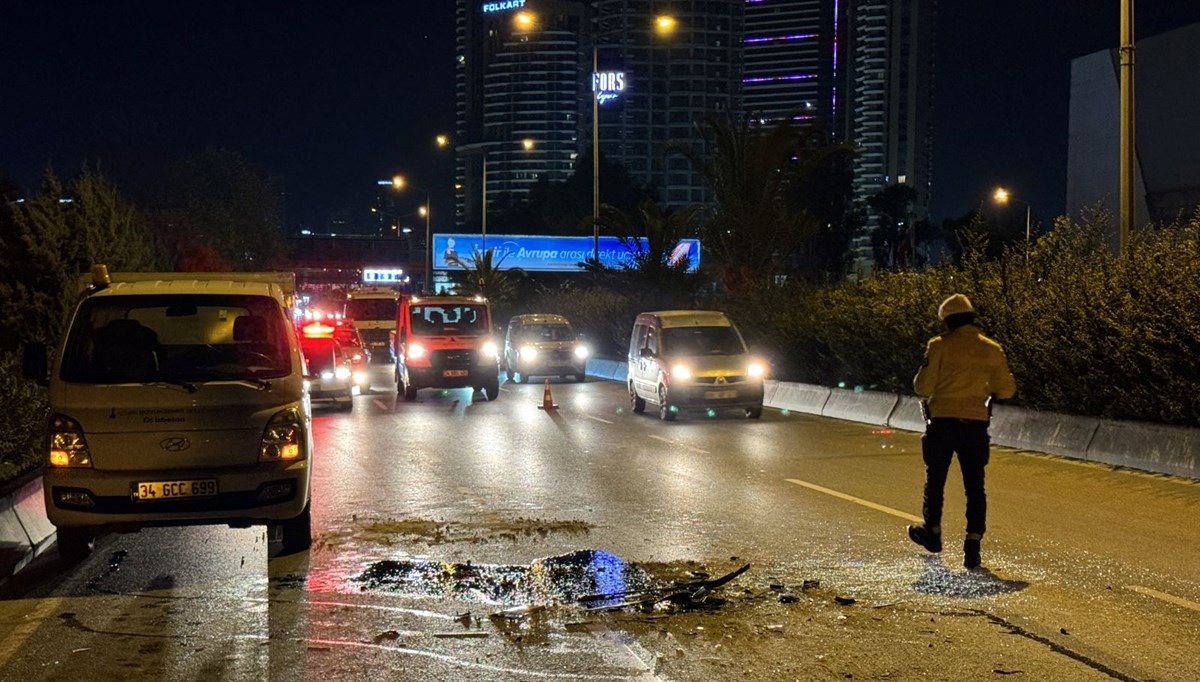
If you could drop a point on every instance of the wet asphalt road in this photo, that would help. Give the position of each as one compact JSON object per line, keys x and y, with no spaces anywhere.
{"x":428,"y":511}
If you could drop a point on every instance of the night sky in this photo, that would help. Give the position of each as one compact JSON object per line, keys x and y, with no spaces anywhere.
{"x":332,"y":98}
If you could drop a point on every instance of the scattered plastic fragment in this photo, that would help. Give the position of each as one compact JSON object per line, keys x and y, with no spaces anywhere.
{"x":473,"y":634}
{"x":845,"y":601}
{"x":788,"y":598}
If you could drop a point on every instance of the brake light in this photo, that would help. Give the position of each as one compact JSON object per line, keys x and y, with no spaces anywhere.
{"x":317,"y":330}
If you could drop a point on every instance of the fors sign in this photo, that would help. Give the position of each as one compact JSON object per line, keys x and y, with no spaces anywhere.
{"x":608,"y":85}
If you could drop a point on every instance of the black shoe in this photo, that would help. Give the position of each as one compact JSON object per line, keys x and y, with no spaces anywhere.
{"x":926,"y":538}
{"x":971,"y":553}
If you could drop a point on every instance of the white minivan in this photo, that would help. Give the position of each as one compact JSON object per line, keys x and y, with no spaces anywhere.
{"x":177,"y":399}
{"x":692,"y":359}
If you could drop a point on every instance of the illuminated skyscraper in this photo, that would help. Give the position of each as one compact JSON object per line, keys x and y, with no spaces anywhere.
{"x":672,"y":79}
{"x":792,"y":65}
{"x":518,"y":89}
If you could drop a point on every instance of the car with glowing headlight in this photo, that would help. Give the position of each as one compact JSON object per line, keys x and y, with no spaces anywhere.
{"x":331,"y":374}
{"x":445,"y":342}
{"x":346,"y":334}
{"x":692,"y":360}
{"x":176,"y":399}
{"x":543,"y":345}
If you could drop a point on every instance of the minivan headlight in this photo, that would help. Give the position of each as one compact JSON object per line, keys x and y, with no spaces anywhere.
{"x":68,"y":448}
{"x":756,"y":370}
{"x":528,"y":353}
{"x":283,"y":439}
{"x":581,"y":352}
{"x":681,"y":372}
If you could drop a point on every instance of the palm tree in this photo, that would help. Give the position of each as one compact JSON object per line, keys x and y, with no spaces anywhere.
{"x":755,"y":175}
{"x":485,"y":277}
{"x":652,"y":239}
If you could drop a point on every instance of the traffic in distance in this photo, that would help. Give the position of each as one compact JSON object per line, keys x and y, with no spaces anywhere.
{"x":187,"y":398}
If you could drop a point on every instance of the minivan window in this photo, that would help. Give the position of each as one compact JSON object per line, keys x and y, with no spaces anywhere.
{"x":702,"y":341}
{"x":546,"y":332}
{"x":372,"y":309}
{"x":193,"y":337}
{"x":652,"y":340}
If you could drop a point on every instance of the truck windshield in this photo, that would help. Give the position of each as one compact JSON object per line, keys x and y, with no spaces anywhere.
{"x":702,"y":341}
{"x":373,"y":309}
{"x":446,"y":319}
{"x":194,"y":337}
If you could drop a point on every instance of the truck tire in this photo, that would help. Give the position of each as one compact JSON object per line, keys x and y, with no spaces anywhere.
{"x":297,"y":532}
{"x":75,"y":544}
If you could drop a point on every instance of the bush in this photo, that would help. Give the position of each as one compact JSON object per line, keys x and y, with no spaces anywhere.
{"x":1086,"y":332}
{"x":23,"y":405}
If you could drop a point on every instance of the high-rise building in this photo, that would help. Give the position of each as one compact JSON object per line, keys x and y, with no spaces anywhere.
{"x":678,"y":61}
{"x":792,"y":65}
{"x":520,"y":80}
{"x":891,"y":73}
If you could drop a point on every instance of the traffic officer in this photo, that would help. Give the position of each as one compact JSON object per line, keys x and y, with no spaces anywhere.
{"x":962,"y":373}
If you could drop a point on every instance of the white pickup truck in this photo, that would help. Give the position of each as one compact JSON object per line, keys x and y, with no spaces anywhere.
{"x":177,"y":399}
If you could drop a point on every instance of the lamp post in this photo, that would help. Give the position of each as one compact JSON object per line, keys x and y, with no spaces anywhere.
{"x":1003,"y":196}
{"x":399,"y":182}
{"x":1128,"y":139}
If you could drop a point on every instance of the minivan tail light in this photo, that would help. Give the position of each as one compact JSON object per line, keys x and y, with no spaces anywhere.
{"x":283,"y":439}
{"x":67,"y":446}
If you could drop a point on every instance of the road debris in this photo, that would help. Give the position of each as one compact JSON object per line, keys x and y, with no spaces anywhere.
{"x":788,"y":598}
{"x":387,"y":635}
{"x":472,"y":634}
{"x":845,"y":601}
{"x":679,"y":594}
{"x":519,"y":612}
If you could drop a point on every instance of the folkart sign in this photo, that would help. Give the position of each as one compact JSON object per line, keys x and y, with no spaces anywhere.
{"x":608,"y":85}
{"x":503,"y":5}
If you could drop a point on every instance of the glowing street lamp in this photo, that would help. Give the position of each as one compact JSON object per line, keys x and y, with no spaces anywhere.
{"x":528,"y":144}
{"x":442,"y":140}
{"x":664,"y":23}
{"x":1003,"y":196}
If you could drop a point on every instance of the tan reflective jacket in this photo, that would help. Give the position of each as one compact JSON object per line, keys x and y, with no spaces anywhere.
{"x":962,"y":369}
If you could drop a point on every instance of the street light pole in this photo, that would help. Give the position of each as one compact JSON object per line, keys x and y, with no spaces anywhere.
{"x":1128,"y":142}
{"x":595,"y":158}
{"x":428,"y":247}
{"x":483,"y":231}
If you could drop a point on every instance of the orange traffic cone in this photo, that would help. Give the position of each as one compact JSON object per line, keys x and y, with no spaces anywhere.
{"x":547,"y":401}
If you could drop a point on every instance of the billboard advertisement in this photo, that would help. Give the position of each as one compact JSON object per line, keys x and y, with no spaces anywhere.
{"x":540,"y":253}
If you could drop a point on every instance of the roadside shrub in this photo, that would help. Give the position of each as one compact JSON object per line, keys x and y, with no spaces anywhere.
{"x":23,"y":405}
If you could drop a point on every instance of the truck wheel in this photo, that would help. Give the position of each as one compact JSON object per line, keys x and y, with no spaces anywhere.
{"x":347,"y":406}
{"x":754,"y":412}
{"x":75,"y":544}
{"x":636,"y":402}
{"x":297,"y":532}
{"x":665,"y":412}
{"x":492,"y":389}
{"x":410,"y":392}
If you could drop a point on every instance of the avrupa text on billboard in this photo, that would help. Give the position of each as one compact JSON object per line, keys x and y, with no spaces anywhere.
{"x":541,"y":253}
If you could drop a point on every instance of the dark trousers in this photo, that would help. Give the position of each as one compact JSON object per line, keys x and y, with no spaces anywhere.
{"x":969,"y":438}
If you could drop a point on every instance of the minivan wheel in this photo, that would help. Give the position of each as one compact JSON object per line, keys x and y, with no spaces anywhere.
{"x":665,"y":412}
{"x":753,"y":412}
{"x":492,"y":389}
{"x":636,"y":403}
{"x":297,"y":532}
{"x":75,"y":544}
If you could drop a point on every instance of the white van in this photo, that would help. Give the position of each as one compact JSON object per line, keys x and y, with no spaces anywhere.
{"x":177,"y":399}
{"x":692,"y":359}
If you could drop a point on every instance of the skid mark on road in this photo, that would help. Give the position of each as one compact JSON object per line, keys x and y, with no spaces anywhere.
{"x":682,"y":445}
{"x":856,"y":500}
{"x":1163,"y":596}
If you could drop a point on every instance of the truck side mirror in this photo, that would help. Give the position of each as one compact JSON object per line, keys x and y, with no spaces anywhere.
{"x":35,"y":365}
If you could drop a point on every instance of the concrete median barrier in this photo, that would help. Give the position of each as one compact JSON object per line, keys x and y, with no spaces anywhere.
{"x":785,"y":395}
{"x":1058,"y":434}
{"x":24,"y":529}
{"x":1171,"y":450}
{"x":907,"y":414}
{"x":869,"y":407}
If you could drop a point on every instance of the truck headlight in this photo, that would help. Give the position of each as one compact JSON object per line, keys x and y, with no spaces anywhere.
{"x":283,"y":439}
{"x":416,"y":351}
{"x":68,"y":448}
{"x":528,"y":353}
{"x":681,"y":372}
{"x":488,"y":349}
{"x":756,"y":370}
{"x":581,"y":352}
{"x":342,"y":373}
